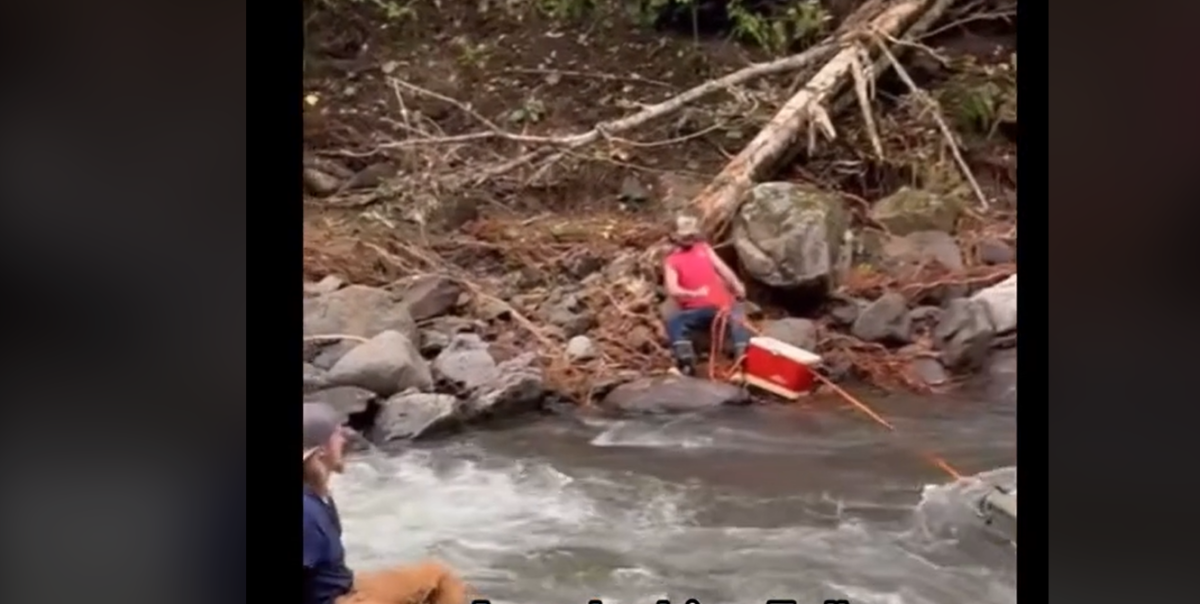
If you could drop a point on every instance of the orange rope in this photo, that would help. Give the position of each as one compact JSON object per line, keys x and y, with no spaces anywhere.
{"x":719,"y":325}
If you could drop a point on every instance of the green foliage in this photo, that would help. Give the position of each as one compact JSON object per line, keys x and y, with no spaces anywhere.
{"x":566,"y":10}
{"x":801,"y":23}
{"x":392,"y":10}
{"x":979,"y":97}
{"x":775,"y":27}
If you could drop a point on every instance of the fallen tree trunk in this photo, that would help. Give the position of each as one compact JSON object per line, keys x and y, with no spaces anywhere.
{"x":721,"y":198}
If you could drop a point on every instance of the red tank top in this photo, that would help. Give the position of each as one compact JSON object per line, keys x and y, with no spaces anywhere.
{"x":696,"y":270}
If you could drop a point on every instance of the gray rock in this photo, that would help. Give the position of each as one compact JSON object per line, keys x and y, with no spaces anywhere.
{"x":581,"y":348}
{"x":964,"y":335}
{"x":314,"y":378}
{"x":845,"y":310}
{"x":790,"y":235}
{"x":329,"y":355}
{"x":517,"y":388}
{"x":672,"y":394}
{"x":347,"y":400}
{"x":433,"y":342}
{"x":929,"y":371}
{"x":572,"y":323}
{"x":923,"y":247}
{"x":633,"y":191}
{"x":800,"y":333}
{"x":884,"y":320}
{"x":996,"y":251}
{"x":911,"y":210}
{"x":386,"y":364}
{"x":430,"y":296}
{"x":329,"y":284}
{"x":413,"y":415}
{"x":357,"y":310}
{"x":583,"y":263}
{"x":1000,"y":300}
{"x":926,"y":315}
{"x":903,"y":256}
{"x":466,"y":362}
{"x":320,"y":183}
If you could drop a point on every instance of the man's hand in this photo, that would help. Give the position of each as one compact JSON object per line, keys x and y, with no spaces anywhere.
{"x":698,"y":293}
{"x":739,"y":290}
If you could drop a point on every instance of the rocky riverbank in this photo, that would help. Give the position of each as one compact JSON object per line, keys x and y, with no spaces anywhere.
{"x":908,"y":299}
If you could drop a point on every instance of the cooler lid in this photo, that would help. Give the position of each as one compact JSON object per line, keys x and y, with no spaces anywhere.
{"x":784,"y":349}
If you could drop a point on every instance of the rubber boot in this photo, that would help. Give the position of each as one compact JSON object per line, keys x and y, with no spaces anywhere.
{"x":685,"y":358}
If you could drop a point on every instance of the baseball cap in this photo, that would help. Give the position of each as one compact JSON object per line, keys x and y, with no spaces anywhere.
{"x":687,"y":226}
{"x":320,"y":423}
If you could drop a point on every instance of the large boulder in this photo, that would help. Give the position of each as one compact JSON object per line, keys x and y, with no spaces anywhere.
{"x":1000,"y":300}
{"x":672,"y":394}
{"x":357,"y":310}
{"x":386,"y":364}
{"x":790,"y":235}
{"x":911,"y":210}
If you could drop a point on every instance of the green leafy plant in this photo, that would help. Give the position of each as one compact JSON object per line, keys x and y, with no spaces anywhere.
{"x":800,"y":23}
{"x":566,"y":10}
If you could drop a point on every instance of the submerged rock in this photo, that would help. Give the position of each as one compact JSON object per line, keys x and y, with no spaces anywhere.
{"x":672,"y":394}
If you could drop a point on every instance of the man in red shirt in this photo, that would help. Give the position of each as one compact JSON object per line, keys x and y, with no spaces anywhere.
{"x":702,"y":285}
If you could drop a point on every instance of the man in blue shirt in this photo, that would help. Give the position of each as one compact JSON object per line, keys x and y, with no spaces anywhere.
{"x":327,"y":579}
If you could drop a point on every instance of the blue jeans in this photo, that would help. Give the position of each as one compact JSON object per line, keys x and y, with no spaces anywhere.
{"x":680,"y":325}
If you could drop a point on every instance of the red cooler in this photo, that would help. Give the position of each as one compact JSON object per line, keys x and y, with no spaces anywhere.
{"x":780,"y":368}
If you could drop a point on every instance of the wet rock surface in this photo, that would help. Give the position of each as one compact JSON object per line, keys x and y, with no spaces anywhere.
{"x":672,"y":394}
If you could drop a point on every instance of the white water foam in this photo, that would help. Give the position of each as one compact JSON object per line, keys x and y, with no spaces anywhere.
{"x":527,"y":532}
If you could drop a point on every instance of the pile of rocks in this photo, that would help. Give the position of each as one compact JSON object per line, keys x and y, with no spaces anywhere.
{"x":366,"y":356}
{"x":798,"y":238}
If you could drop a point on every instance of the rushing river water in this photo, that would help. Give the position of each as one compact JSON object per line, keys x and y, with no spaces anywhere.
{"x":808,"y":502}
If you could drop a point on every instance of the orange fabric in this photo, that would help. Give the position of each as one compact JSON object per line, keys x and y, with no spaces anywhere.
{"x":425,"y":583}
{"x":696,"y":270}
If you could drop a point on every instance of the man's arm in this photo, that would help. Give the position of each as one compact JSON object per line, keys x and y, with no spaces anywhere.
{"x":726,"y":273}
{"x":671,"y":284}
